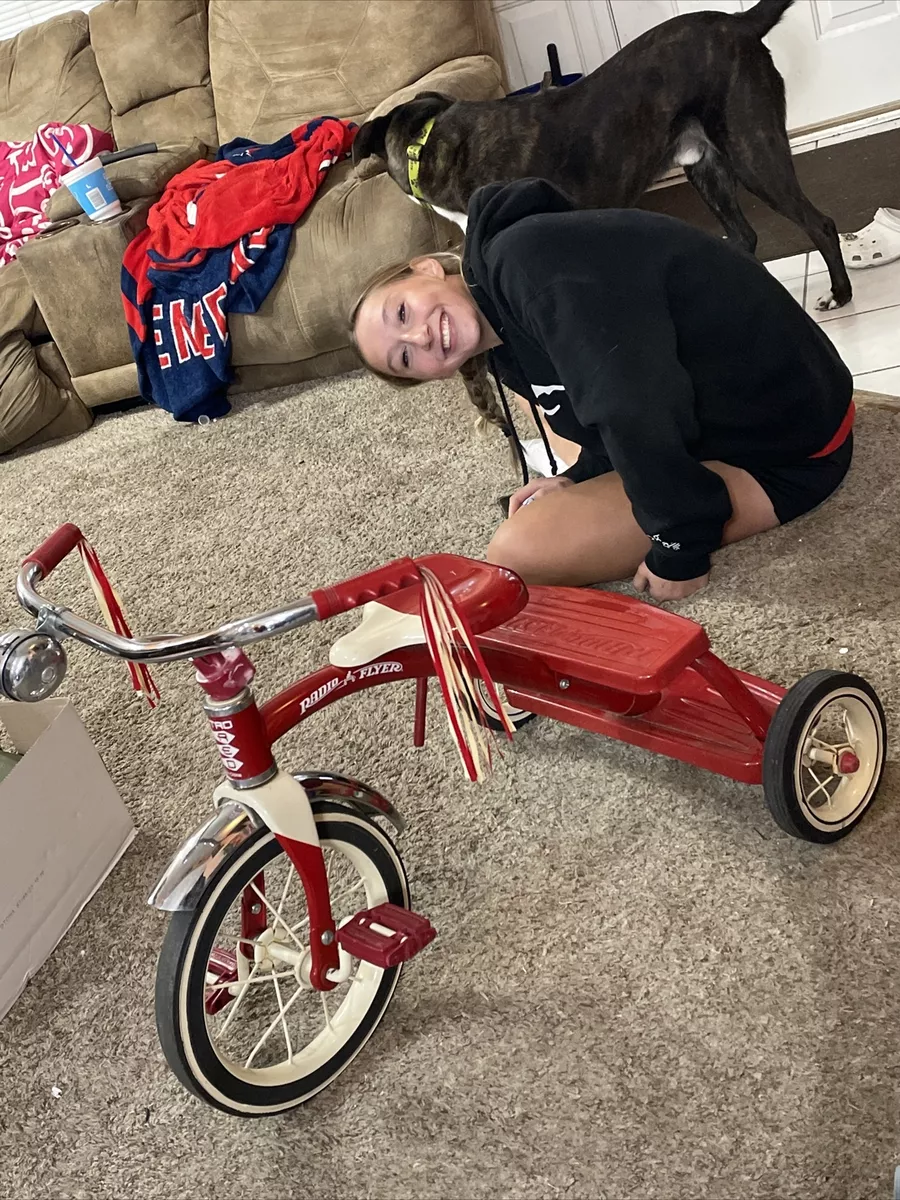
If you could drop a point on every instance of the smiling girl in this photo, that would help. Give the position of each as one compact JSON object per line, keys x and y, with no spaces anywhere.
{"x":708,"y":406}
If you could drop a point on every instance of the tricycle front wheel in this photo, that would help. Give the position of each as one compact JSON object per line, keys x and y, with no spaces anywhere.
{"x":239,"y":1022}
{"x":824,"y":755}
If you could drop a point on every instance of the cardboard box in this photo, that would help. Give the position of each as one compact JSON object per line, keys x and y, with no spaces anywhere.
{"x":64,"y":828}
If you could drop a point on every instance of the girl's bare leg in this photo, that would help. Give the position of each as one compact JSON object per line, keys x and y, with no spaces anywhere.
{"x":587,"y":533}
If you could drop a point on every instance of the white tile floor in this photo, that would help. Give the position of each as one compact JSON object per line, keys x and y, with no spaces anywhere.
{"x":867,"y":330}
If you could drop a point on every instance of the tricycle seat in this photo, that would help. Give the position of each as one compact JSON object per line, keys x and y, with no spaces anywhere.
{"x":485,"y":594}
{"x":605,"y":638}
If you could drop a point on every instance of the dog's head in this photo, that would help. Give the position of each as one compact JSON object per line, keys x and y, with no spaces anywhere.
{"x":387,"y":137}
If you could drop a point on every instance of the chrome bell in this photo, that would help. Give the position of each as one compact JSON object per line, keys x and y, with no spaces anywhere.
{"x":32,"y":665}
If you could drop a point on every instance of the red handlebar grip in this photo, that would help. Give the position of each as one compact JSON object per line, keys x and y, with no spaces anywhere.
{"x":53,"y":550}
{"x":330,"y":601}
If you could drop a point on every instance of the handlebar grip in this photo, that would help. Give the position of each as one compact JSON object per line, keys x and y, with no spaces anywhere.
{"x":384,"y":581}
{"x":53,"y":550}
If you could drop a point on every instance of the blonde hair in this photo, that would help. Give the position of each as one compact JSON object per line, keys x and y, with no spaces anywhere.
{"x":474,"y":372}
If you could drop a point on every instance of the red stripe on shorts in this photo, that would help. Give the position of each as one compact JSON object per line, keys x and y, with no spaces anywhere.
{"x":842,"y":434}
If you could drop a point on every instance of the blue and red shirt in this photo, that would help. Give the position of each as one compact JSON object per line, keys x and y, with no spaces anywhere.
{"x":215,"y":243}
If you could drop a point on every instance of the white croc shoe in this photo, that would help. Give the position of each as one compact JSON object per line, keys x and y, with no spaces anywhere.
{"x":876,"y":245}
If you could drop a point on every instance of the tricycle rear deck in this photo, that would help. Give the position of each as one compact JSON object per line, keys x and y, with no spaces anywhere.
{"x":600,"y":648}
{"x":691,"y":722}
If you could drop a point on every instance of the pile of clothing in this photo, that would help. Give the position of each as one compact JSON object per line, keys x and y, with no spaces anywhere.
{"x":215,"y":243}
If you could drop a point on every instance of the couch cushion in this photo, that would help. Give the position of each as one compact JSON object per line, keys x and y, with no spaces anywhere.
{"x":154,"y":62}
{"x":355,"y":228}
{"x":477,"y":78}
{"x":48,"y":73}
{"x":276,"y":64}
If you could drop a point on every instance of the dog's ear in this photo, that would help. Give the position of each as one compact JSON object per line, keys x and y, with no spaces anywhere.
{"x":369,"y":140}
{"x":444,"y":101}
{"x":425,"y":106}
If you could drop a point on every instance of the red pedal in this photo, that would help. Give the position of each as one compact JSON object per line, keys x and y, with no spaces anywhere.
{"x":386,"y":935}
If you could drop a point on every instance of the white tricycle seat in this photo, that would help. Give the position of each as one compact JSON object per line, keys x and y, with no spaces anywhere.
{"x":487,"y":595}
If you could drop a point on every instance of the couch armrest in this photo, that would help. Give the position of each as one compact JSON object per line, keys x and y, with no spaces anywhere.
{"x":134,"y":178}
{"x":75,"y":277}
{"x":478,"y":77}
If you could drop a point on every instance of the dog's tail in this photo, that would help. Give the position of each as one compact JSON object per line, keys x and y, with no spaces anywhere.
{"x":764,"y":16}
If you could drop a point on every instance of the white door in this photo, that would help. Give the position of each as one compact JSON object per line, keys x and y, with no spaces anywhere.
{"x":838,"y":57}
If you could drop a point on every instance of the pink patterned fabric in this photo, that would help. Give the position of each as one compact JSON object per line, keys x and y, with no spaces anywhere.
{"x":29,"y":175}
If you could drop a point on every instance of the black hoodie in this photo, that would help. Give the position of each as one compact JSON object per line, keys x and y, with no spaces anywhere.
{"x":653,"y":346}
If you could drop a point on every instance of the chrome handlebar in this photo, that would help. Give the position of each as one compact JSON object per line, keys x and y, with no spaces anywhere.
{"x":160,"y":647}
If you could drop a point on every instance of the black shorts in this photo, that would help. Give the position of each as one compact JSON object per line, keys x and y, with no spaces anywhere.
{"x":796,"y":490}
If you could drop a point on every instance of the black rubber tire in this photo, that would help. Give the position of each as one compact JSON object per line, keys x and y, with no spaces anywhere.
{"x":180,"y":978}
{"x":782,"y":744}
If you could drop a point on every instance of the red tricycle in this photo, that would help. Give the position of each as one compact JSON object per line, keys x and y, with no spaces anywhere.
{"x":291,"y":915}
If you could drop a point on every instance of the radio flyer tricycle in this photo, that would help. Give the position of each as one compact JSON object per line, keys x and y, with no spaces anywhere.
{"x":291,"y":915}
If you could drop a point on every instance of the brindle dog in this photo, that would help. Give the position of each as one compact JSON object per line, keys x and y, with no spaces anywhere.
{"x":699,"y":91}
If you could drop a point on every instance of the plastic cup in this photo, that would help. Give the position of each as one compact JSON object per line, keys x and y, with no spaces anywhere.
{"x":90,"y":186}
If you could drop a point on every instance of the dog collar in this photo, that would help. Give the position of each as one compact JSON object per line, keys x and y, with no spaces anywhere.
{"x":413,"y":153}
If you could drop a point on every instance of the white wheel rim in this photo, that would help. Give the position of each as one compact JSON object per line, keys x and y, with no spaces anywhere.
{"x":514,"y":714}
{"x":845,"y":720}
{"x":339,"y":1012}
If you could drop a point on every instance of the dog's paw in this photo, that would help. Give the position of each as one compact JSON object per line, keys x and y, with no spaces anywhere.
{"x":826,"y":302}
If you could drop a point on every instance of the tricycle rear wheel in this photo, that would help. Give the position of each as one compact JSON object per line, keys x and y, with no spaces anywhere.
{"x":491,"y":719}
{"x":824,"y":755}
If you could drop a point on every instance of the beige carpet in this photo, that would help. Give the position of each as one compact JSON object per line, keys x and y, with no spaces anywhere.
{"x":641,"y":988}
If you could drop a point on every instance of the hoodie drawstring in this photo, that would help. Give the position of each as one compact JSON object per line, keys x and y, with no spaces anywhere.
{"x":551,"y":457}
{"x":510,"y":429}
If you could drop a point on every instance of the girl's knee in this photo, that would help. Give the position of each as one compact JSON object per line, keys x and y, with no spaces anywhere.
{"x":508,"y":548}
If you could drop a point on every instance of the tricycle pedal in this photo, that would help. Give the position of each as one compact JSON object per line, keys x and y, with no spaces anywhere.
{"x":386,"y":935}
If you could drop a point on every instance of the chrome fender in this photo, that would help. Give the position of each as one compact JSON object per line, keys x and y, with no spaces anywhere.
{"x":322,"y":785}
{"x":185,"y":878}
{"x":199,"y":858}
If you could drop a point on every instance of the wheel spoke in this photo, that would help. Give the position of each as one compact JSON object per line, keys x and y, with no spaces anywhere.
{"x":345,"y":895}
{"x":273,"y":1026}
{"x":277,"y":918}
{"x":245,"y":988}
{"x":286,"y":890}
{"x":821,"y":786}
{"x":251,"y":979}
{"x":287,"y":1036}
{"x":336,"y":901}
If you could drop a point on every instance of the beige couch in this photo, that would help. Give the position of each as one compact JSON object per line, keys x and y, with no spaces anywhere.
{"x":189,"y":75}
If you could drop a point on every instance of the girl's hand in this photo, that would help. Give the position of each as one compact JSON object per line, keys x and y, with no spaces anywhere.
{"x":536,"y":488}
{"x":667,"y":589}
